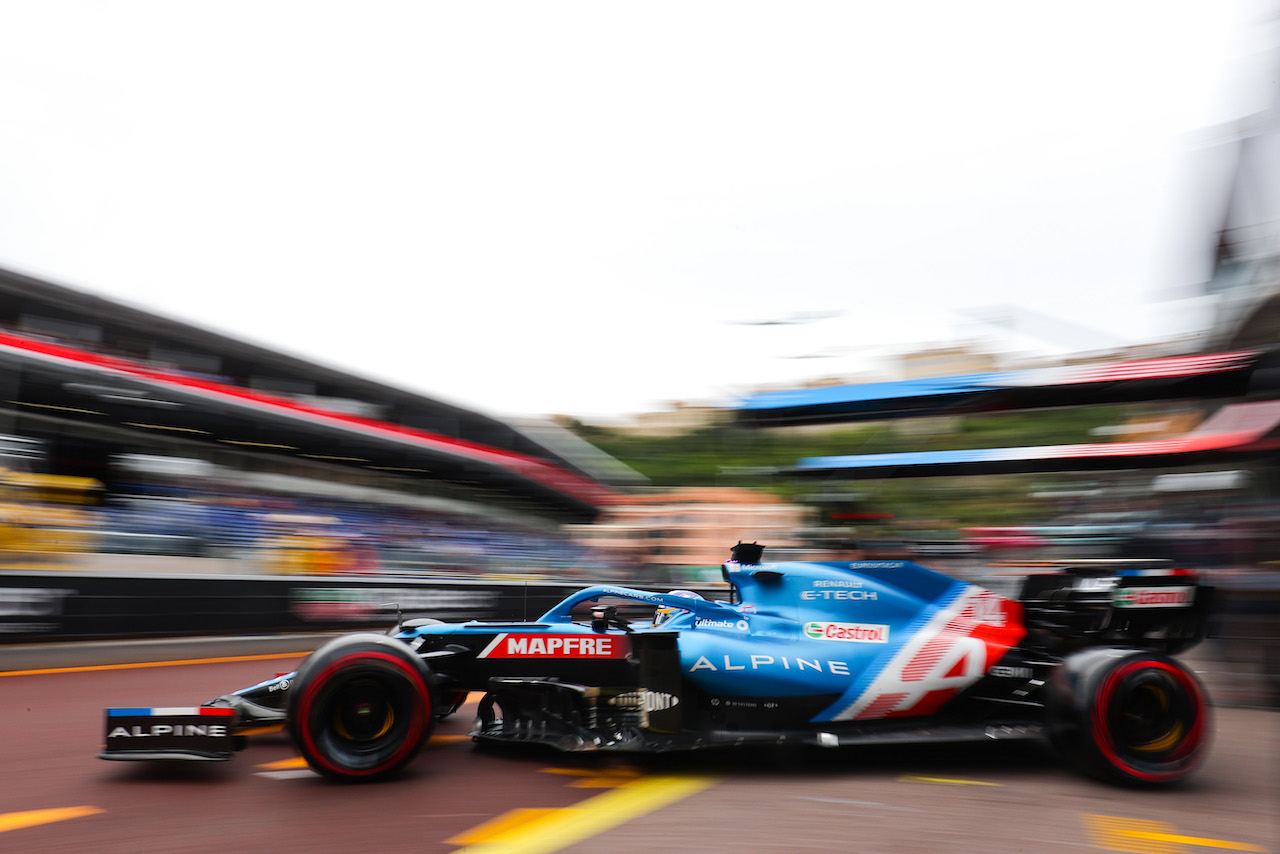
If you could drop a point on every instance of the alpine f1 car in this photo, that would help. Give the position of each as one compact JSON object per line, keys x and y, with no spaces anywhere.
{"x":828,"y":654}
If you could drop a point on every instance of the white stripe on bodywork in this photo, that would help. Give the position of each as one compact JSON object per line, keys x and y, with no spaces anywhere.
{"x":484,"y":653}
{"x":890,"y":680}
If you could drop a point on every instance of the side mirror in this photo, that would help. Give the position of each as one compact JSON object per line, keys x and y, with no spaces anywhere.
{"x":603,"y":616}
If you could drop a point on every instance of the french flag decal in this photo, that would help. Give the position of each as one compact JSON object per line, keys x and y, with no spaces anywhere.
{"x":175,"y":712}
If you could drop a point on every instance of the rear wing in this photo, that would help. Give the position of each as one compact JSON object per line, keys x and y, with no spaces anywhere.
{"x":1139,"y":603}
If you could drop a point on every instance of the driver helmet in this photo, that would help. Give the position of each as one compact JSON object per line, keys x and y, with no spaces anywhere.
{"x":665,"y":613}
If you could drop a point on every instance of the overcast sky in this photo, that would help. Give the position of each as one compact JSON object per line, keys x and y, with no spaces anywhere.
{"x":549,"y":207}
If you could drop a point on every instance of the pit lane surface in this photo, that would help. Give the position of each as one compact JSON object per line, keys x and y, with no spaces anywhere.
{"x":55,"y":795}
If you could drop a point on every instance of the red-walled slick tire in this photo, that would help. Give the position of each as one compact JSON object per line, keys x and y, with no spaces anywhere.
{"x":1127,"y":716}
{"x":361,"y":707}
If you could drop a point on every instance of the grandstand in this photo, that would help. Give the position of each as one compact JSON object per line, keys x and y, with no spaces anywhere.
{"x":89,"y":382}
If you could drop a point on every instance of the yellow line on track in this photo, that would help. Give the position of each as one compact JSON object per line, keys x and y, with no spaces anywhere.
{"x":598,"y":783}
{"x":1112,"y":833}
{"x":622,"y":772}
{"x":32,"y":818}
{"x":1143,"y":836}
{"x":285,"y":764}
{"x":946,"y":781}
{"x":138,"y":664}
{"x":1197,"y":841}
{"x":558,"y":829}
{"x":596,"y":778}
{"x":503,"y":825}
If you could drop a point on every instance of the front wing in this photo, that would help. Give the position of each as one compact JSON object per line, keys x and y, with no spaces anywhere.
{"x":201,"y":733}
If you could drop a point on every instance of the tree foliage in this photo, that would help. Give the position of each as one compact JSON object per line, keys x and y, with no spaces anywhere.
{"x":728,"y":454}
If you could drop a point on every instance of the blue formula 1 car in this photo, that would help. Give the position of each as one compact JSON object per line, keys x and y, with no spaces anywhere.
{"x":828,"y":654}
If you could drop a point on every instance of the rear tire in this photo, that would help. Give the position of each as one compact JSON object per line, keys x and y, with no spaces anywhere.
{"x":361,"y":707}
{"x":1137,"y":718}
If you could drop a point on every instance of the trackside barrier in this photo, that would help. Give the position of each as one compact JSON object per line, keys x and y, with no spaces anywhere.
{"x":67,"y":605}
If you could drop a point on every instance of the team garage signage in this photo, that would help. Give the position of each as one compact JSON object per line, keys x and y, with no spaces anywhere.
{"x":31,"y":610}
{"x":364,"y":604}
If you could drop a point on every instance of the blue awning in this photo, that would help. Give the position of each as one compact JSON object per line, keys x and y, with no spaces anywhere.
{"x":1216,"y":375}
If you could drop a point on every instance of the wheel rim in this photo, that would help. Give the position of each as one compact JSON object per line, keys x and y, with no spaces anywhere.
{"x":363,"y":712}
{"x":1149,"y":720}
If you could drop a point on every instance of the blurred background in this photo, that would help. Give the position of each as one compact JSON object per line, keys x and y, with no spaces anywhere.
{"x":479,"y":301}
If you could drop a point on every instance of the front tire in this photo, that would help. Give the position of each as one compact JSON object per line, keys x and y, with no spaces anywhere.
{"x":361,"y":707}
{"x":1137,"y":718}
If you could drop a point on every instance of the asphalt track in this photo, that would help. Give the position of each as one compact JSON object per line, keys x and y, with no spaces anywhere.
{"x":55,"y":795}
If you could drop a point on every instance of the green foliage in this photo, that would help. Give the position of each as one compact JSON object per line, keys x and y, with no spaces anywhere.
{"x":732,"y":455}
